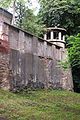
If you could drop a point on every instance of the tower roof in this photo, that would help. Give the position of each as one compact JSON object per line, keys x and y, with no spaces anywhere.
{"x":56,"y":28}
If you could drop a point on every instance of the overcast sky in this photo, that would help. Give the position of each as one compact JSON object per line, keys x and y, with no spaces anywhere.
{"x":35,"y":6}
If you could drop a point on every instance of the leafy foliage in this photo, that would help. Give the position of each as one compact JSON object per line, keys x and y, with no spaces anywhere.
{"x":74,"y":50}
{"x":27,"y":20}
{"x":62,"y":13}
{"x":5,"y":3}
{"x":64,"y":64}
{"x":74,"y":57}
{"x":30,"y":22}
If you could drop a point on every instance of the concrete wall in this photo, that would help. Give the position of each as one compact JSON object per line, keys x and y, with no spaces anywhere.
{"x":33,"y":62}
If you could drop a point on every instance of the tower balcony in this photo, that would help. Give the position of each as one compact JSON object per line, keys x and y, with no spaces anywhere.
{"x":56,"y":36}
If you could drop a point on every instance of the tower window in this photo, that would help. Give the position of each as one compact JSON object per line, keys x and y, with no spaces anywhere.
{"x":48,"y":35}
{"x":61,"y":36}
{"x":56,"y":35}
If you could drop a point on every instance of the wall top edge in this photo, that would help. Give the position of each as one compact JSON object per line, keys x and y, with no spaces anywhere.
{"x":4,"y":11}
{"x":26,"y":32}
{"x":56,"y":28}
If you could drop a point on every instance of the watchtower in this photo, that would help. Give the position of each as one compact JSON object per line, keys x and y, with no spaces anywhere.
{"x":56,"y":36}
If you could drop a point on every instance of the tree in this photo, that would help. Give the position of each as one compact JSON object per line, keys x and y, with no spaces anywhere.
{"x":32,"y":24}
{"x":5,"y":3}
{"x":62,"y":13}
{"x":27,"y":20}
{"x":20,"y":10}
{"x":74,"y":58}
{"x":74,"y":51}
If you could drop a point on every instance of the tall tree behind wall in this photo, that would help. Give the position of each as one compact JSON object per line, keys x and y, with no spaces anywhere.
{"x":62,"y":13}
{"x":27,"y":20}
{"x":74,"y":57}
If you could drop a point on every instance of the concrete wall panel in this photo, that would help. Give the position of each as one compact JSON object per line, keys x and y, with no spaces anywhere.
{"x":34,"y":45}
{"x":28,"y":44}
{"x":13,"y":38}
{"x":40,"y":47}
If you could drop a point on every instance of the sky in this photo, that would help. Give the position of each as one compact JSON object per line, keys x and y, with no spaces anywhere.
{"x":35,"y":6}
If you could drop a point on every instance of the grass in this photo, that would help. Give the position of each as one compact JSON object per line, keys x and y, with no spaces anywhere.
{"x":40,"y":105}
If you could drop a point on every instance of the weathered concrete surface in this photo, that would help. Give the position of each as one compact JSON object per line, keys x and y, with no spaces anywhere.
{"x":67,"y":80}
{"x":31,"y":62}
{"x":37,"y":72}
